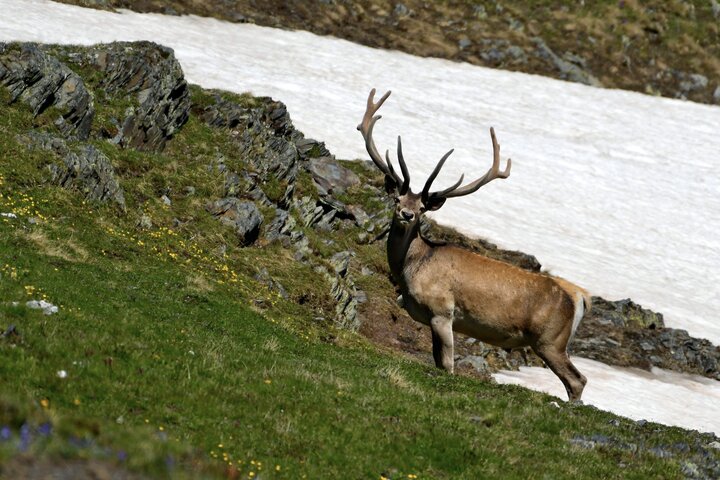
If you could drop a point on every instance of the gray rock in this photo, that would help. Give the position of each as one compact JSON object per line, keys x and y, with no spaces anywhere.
{"x":166,"y":200}
{"x":331,"y":177}
{"x":343,"y":292}
{"x":516,"y":25}
{"x":692,"y":82}
{"x":309,"y":148}
{"x":690,"y":470}
{"x":83,"y":168}
{"x":234,"y":186}
{"x":325,"y":222}
{"x":464,"y":43}
{"x":358,"y":214}
{"x":263,"y":277}
{"x":499,"y":52}
{"x":569,"y":68}
{"x":715,"y":6}
{"x":145,"y":222}
{"x":151,"y":75}
{"x":401,"y":10}
{"x":42,"y":81}
{"x":716,"y":94}
{"x":477,"y":362}
{"x":224,"y":113}
{"x":243,"y":216}
{"x":625,"y":312}
{"x":278,"y":226}
{"x":273,"y":157}
{"x":47,"y":307}
{"x":340,"y":262}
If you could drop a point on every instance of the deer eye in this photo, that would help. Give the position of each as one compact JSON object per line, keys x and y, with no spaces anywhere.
{"x":423,"y":209}
{"x":396,"y":200}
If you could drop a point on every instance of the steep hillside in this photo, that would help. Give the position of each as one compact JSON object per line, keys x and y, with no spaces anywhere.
{"x":182,"y":276}
{"x":668,"y":48}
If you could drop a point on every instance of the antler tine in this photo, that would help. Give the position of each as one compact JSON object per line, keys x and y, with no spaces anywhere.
{"x":389,"y":164}
{"x":450,"y":188}
{"x":434,"y":174}
{"x":366,"y":127}
{"x":403,"y":168}
{"x":493,"y":173}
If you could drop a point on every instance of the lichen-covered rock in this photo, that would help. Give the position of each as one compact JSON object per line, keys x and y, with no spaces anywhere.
{"x":83,"y":168}
{"x":243,"y":216}
{"x":570,"y":67}
{"x":278,"y":226}
{"x":150,"y":75}
{"x":623,"y":333}
{"x":91,"y":172}
{"x":331,"y":177}
{"x":42,"y":81}
{"x":309,"y":148}
{"x":624,"y":313}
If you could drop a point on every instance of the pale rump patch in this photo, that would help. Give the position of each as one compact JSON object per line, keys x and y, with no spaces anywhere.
{"x":579,"y":312}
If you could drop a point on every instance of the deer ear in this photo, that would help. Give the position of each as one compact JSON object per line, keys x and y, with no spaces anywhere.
{"x":433,"y":204}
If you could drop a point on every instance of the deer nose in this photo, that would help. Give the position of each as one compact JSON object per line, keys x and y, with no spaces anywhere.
{"x":407,"y":214}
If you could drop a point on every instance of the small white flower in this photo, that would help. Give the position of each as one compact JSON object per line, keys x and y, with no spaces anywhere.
{"x":62,"y":374}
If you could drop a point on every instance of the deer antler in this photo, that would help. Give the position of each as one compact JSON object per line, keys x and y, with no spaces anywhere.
{"x":453,"y":191}
{"x":365,"y":128}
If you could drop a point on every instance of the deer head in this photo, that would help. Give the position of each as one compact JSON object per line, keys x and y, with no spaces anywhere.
{"x":410,"y":205}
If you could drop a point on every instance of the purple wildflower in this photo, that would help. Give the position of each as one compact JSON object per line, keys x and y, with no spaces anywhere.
{"x":45,"y":429}
{"x":25,"y":437}
{"x":5,"y":433}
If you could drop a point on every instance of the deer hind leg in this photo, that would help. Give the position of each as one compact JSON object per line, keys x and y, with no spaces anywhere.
{"x":442,"y":336}
{"x":560,"y":364}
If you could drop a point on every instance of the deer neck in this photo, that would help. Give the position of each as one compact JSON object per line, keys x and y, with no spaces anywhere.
{"x":403,"y":244}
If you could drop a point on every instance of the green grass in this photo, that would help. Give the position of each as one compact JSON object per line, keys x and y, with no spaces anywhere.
{"x":140,"y":343}
{"x":172,"y":350}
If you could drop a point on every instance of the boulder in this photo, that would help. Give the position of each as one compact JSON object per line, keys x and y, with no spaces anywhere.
{"x":42,"y":81}
{"x":331,"y":177}
{"x":243,"y":216}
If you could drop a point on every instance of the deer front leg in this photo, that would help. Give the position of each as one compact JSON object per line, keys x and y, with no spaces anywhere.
{"x":442,"y":336}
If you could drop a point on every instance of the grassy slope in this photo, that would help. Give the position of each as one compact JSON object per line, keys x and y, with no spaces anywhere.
{"x":173,"y":351}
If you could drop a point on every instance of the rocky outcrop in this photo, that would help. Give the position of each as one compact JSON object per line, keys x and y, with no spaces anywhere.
{"x":42,"y":82}
{"x":83,"y":168}
{"x":151,"y":76}
{"x":142,"y":76}
{"x":625,"y":334}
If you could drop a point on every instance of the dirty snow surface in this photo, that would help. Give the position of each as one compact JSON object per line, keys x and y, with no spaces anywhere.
{"x":616,"y":191}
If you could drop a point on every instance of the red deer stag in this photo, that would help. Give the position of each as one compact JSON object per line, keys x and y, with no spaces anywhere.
{"x":451,"y":288}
